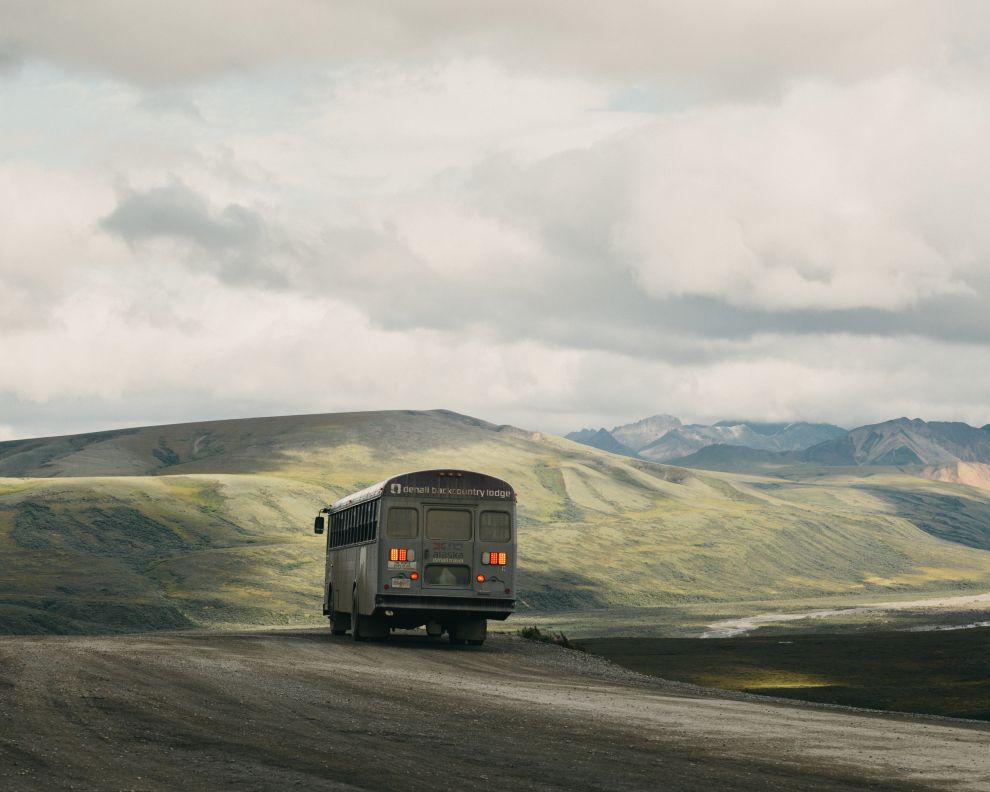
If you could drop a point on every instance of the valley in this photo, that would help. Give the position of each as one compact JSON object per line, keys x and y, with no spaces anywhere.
{"x":208,"y":525}
{"x":934,"y":672}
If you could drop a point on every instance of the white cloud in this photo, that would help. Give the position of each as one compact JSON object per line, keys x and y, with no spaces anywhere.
{"x":810,"y":203}
{"x":786,"y":221}
{"x":714,"y":47}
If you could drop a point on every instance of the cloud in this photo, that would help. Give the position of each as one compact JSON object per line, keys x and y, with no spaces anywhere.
{"x":234,"y":242}
{"x":793,"y":206}
{"x":47,"y":248}
{"x":711,"y":48}
{"x":835,"y":209}
{"x":546,"y":218}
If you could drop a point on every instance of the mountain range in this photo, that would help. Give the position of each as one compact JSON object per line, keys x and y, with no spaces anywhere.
{"x":947,"y":451}
{"x":904,"y":441}
{"x":663,"y":438}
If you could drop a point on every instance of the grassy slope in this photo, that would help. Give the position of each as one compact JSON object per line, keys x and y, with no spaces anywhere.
{"x":208,"y":523}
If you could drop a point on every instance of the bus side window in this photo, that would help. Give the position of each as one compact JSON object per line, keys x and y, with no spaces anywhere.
{"x":403,"y":523}
{"x":494,"y":527}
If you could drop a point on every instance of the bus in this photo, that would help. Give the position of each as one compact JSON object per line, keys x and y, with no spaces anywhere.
{"x":433,"y":548}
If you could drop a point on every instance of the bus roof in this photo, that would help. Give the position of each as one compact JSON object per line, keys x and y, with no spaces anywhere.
{"x":442,"y":484}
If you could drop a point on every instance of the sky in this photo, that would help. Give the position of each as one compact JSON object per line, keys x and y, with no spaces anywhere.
{"x":554,"y":214}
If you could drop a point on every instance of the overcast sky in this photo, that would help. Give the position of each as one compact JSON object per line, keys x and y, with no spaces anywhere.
{"x":550,"y":214}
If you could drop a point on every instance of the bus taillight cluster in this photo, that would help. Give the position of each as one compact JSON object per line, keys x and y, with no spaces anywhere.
{"x":495,"y":559}
{"x":400,"y":554}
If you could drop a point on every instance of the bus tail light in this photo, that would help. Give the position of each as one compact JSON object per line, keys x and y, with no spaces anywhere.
{"x":495,"y":559}
{"x":480,"y":578}
{"x":400,"y":554}
{"x":414,"y":575}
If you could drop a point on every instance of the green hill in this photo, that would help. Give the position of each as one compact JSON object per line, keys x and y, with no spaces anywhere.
{"x":209,"y":523}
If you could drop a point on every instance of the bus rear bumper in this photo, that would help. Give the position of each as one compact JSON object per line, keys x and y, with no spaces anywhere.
{"x":436,"y":607}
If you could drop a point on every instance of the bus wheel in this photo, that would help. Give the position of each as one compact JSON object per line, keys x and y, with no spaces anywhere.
{"x":339,"y":623}
{"x":473,"y":631}
{"x":356,"y":631}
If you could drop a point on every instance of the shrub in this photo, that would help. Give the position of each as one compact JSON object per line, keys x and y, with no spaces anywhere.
{"x":535,"y":634}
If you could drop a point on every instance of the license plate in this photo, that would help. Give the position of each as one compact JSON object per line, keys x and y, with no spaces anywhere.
{"x":401,"y":565}
{"x":401,"y":582}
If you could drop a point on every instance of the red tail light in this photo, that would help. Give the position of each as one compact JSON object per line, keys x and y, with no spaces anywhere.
{"x":480,"y":578}
{"x":398,"y":554}
{"x":414,"y":575}
{"x":495,"y":559}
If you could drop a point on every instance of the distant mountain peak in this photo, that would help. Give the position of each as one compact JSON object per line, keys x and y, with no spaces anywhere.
{"x":601,"y":439}
{"x":775,"y":437}
{"x":663,"y":437}
{"x":904,"y":441}
{"x":641,"y":433}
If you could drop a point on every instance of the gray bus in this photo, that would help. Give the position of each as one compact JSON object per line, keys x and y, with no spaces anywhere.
{"x":433,"y":547}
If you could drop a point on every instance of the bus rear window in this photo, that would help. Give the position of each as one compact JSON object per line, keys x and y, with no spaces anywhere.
{"x":494,"y":527}
{"x":403,"y":523}
{"x":448,"y":524}
{"x":447,"y":575}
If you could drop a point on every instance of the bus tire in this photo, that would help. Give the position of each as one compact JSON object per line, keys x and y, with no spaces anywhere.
{"x":356,"y":619}
{"x":472,"y":631}
{"x":339,"y":622}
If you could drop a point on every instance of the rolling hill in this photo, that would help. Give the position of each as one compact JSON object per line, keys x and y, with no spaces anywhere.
{"x":733,"y":459}
{"x":209,"y":523}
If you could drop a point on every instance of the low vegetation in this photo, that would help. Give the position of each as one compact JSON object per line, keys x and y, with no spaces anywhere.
{"x":533,"y":633}
{"x":943,"y":672}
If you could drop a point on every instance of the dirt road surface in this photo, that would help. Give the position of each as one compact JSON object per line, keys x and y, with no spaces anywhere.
{"x":286,"y":709}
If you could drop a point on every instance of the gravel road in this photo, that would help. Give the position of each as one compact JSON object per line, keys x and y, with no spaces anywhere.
{"x":297,"y":709}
